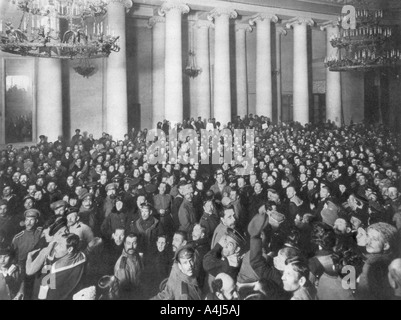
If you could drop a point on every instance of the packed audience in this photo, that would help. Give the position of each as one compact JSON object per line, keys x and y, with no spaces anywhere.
{"x":317,"y":218}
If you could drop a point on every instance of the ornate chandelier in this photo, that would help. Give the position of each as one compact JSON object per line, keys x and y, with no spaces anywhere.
{"x":368,"y":46}
{"x":192,"y":70}
{"x":63,"y":29}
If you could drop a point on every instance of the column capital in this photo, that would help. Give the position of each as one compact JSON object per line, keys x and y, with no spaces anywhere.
{"x":281,"y":31}
{"x":298,"y":21}
{"x":243,"y":26}
{"x":126,"y":3}
{"x":173,"y":5}
{"x":204,"y":24}
{"x":328,"y":24}
{"x":261,"y":17}
{"x":155,"y":20}
{"x":217,"y":12}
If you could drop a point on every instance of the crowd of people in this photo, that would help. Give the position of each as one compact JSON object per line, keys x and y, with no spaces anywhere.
{"x":317,"y":218}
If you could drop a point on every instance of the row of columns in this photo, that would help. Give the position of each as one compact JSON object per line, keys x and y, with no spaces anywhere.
{"x":222,"y":87}
{"x":167,"y":86}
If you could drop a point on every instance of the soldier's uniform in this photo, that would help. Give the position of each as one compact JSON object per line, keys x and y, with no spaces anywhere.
{"x":25,"y":241}
{"x":180,"y":286}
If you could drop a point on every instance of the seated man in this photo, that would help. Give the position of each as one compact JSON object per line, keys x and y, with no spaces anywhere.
{"x":182,"y":283}
{"x":129,"y":267}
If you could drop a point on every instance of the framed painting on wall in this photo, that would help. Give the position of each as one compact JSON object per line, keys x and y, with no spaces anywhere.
{"x":19,"y":100}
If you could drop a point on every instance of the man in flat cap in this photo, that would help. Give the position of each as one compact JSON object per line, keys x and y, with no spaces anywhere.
{"x":59,"y":208}
{"x":75,"y":226}
{"x":182,"y":283}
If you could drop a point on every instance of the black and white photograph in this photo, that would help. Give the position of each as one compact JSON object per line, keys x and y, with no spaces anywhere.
{"x":203,"y":150}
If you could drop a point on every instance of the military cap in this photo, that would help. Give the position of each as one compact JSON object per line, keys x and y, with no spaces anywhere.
{"x":32,"y":213}
{"x":58,"y":204}
{"x":129,"y":181}
{"x":111,"y":186}
{"x":185,"y":252}
{"x":236,"y":236}
{"x":72,"y":210}
{"x":83,"y":193}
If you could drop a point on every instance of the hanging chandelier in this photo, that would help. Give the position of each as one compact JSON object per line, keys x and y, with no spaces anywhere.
{"x":192,"y":70}
{"x":369,"y":46}
{"x":63,"y":29}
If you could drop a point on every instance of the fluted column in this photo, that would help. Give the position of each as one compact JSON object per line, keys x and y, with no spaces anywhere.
{"x":203,"y":79}
{"x":173,"y":105}
{"x":333,"y":79}
{"x":264,"y":97}
{"x":222,"y":88}
{"x":300,"y":77}
{"x":279,"y":32}
{"x":117,"y":100}
{"x":241,"y":68}
{"x":158,"y":25}
{"x":50,"y":96}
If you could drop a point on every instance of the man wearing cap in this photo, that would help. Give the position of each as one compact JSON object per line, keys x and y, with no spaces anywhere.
{"x":187,"y":213}
{"x":225,"y":256}
{"x":182,"y":283}
{"x":75,"y":226}
{"x":109,"y":202}
{"x":24,"y":242}
{"x":59,"y":208}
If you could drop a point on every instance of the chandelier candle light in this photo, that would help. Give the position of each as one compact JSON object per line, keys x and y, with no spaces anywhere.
{"x":41,"y":33}
{"x":368,"y":46}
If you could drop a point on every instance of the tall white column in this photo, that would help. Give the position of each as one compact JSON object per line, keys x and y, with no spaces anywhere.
{"x":203,"y":61}
{"x":50,"y":96}
{"x":173,"y":106}
{"x":264,"y":96}
{"x":222,"y":88}
{"x":241,"y":68}
{"x":158,"y":25}
{"x":279,"y":32}
{"x":333,"y":79}
{"x":301,"y":79}
{"x":117,"y":100}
